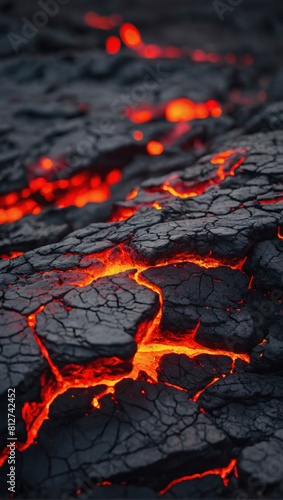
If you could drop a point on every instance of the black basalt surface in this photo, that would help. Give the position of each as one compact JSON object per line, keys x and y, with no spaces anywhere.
{"x":143,"y":332}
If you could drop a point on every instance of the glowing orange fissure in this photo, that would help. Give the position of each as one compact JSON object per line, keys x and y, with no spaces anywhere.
{"x":272,"y":200}
{"x":179,"y":190}
{"x":223,"y":472}
{"x":124,"y":213}
{"x":152,"y":344}
{"x":11,"y":255}
{"x":81,"y":188}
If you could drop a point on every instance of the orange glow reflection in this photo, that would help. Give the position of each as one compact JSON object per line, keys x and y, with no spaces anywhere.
{"x":154,"y":148}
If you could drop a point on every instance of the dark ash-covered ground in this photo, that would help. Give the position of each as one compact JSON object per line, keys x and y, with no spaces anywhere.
{"x":141,"y":294}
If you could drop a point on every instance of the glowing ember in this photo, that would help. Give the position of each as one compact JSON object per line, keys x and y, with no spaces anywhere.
{"x":157,"y":206}
{"x":113,"y":177}
{"x":139,"y":116}
{"x":113,"y":45}
{"x":12,"y":255}
{"x":78,"y":190}
{"x":273,"y":200}
{"x":154,"y":148}
{"x":130,"y":35}
{"x":46,"y":163}
{"x":138,"y":135}
{"x":94,"y":20}
{"x":177,"y":110}
{"x":132,"y":194}
{"x":122,"y":213}
{"x":184,"y":109}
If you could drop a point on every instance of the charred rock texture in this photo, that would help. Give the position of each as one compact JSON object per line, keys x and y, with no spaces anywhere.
{"x":141,"y":228}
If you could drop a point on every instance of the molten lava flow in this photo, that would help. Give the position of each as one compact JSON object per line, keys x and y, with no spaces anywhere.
{"x":12,"y":255}
{"x":273,"y":200}
{"x":185,"y":110}
{"x":122,"y":213}
{"x":279,"y":234}
{"x":94,"y":20}
{"x":157,"y":206}
{"x":140,"y":116}
{"x":152,"y":344}
{"x":222,"y":472}
{"x":178,"y":110}
{"x":81,"y":188}
{"x":132,"y":194}
{"x":180,"y":190}
{"x":197,"y":395}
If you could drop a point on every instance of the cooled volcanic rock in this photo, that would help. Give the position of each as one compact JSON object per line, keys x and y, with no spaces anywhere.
{"x":248,"y":386}
{"x":142,"y":323}
{"x":110,"y":442}
{"x":267,"y":261}
{"x":257,"y":398}
{"x":192,"y":293}
{"x":98,"y":320}
{"x":85,"y":307}
{"x":79,"y":324}
{"x":263,"y":461}
{"x":20,"y":357}
{"x":192,"y":374}
{"x":269,"y":356}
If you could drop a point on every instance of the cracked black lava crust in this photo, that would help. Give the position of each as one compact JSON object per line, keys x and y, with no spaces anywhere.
{"x":141,"y":294}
